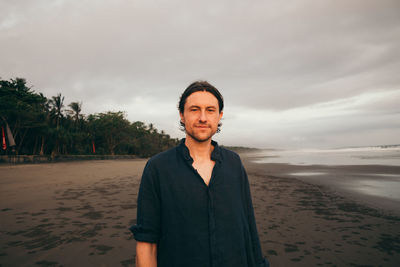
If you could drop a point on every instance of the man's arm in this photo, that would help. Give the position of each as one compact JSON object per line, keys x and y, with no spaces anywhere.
{"x":147,"y":228}
{"x":146,"y":254}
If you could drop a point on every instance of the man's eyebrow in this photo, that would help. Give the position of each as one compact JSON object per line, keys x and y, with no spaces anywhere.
{"x":196,"y":106}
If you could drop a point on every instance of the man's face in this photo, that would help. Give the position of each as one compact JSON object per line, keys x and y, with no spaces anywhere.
{"x":201,"y":116}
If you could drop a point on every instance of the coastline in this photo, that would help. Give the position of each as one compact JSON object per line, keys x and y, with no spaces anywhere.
{"x":29,"y":159}
{"x":348,"y":181}
{"x":305,"y":223}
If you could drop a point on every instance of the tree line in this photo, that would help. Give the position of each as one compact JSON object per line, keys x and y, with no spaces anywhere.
{"x":32,"y":124}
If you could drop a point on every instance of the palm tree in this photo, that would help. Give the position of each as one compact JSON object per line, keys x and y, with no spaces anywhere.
{"x":76,"y":108}
{"x":57,"y":103}
{"x":151,"y":128}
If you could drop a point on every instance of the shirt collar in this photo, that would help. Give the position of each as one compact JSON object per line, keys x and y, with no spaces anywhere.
{"x":215,"y":154}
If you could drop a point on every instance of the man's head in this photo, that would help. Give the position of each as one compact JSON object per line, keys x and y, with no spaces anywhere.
{"x":200,"y":109}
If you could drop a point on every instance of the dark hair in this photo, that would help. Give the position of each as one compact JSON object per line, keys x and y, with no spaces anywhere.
{"x":196,"y":87}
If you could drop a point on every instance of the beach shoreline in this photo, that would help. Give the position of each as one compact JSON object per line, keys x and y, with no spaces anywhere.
{"x":344,"y":180}
{"x":78,"y":213}
{"x":310,"y":223}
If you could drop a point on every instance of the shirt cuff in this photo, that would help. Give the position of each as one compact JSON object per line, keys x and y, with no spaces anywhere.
{"x":143,"y":235}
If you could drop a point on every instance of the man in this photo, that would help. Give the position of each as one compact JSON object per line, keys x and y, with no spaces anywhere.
{"x":194,"y":203}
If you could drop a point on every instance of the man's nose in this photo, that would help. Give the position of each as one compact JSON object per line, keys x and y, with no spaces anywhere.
{"x":203,"y":116}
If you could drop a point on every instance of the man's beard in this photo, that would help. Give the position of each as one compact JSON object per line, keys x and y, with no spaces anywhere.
{"x":198,"y":139}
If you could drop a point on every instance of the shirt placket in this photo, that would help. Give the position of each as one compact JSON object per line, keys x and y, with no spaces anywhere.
{"x":211,"y":214}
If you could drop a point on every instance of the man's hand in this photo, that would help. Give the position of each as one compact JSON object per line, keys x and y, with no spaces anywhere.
{"x":146,"y":254}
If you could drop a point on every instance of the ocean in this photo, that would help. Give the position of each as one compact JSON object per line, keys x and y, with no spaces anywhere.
{"x":366,"y":171}
{"x":373,"y":155}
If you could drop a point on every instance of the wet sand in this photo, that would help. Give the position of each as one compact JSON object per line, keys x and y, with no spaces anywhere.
{"x":306,"y":222}
{"x":69,"y":214}
{"x":78,"y":214}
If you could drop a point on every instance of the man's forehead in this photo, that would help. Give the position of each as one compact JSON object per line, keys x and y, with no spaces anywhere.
{"x":202,"y":98}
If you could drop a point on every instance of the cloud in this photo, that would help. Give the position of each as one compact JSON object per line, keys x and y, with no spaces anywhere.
{"x":268,"y":58}
{"x":318,"y":125}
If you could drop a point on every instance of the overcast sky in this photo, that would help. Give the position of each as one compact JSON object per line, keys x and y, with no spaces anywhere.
{"x":293,"y":73}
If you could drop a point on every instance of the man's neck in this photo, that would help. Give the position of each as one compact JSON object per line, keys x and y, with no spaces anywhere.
{"x":199,"y":151}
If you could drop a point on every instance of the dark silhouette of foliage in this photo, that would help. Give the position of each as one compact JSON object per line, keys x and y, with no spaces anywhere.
{"x":43,"y":126}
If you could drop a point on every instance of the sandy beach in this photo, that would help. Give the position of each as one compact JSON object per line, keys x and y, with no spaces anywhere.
{"x":303,"y":222}
{"x":78,"y":214}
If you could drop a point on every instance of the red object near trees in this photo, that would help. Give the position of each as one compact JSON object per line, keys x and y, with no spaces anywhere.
{"x":4,"y":146}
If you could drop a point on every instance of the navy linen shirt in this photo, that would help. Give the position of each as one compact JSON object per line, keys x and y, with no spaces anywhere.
{"x":194,"y":224}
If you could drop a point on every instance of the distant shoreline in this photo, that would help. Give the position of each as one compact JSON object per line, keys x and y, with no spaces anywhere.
{"x":241,"y":149}
{"x":29,"y":159}
{"x":364,"y":184}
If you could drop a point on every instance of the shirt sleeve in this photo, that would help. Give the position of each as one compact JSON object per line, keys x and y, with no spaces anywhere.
{"x":258,"y":257}
{"x":147,"y":227}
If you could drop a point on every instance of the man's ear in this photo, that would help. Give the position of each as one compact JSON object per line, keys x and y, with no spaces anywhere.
{"x":220,"y":115}
{"x":182,"y":118}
